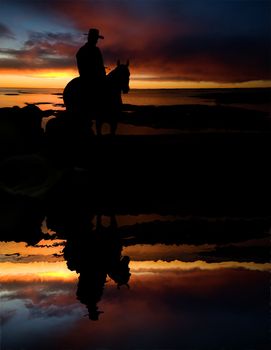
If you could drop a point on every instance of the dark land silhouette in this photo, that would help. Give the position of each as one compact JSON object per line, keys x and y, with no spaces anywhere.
{"x":240,"y":96}
{"x":223,"y":173}
{"x":198,"y":118}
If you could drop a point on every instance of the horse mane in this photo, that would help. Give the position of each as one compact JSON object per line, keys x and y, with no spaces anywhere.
{"x":114,"y":79}
{"x":112,"y":74}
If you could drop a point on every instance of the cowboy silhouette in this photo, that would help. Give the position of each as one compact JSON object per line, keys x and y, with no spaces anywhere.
{"x":91,"y":66}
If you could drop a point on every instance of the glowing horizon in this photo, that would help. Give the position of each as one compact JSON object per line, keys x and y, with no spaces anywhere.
{"x":59,"y":79}
{"x":47,"y":271}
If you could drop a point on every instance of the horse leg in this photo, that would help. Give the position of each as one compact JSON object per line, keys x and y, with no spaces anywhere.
{"x":99,"y":125}
{"x":113,"y":126}
{"x":114,"y":121}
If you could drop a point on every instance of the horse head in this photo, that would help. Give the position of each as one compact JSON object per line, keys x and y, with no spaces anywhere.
{"x":120,"y":76}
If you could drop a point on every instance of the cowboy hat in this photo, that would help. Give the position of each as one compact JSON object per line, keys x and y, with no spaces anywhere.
{"x":93,"y":32}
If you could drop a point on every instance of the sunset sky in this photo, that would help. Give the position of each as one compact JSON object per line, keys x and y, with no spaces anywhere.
{"x":170,"y":43}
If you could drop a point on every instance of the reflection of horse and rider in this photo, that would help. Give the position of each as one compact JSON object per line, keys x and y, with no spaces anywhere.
{"x":96,"y":255}
{"x":95,"y":95}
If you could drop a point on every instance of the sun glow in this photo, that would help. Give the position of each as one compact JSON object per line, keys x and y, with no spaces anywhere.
{"x":145,"y":82}
{"x":37,"y":79}
{"x":36,"y":271}
{"x":59,"y":79}
{"x":46,"y":271}
{"x":176,"y":265}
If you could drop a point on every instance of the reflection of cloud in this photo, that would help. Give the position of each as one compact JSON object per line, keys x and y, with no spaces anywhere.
{"x":36,"y":270}
{"x":15,"y":258}
{"x":43,"y":250}
{"x":183,"y":252}
{"x":54,"y":269}
{"x":35,"y":324}
{"x":6,"y":316}
{"x":165,"y":310}
{"x":179,"y":266}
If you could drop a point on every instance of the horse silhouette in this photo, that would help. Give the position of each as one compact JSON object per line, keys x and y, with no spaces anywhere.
{"x":83,"y":107}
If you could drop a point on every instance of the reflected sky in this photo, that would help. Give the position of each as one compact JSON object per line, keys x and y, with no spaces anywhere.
{"x":43,"y":98}
{"x":194,"y":309}
{"x":176,"y":296}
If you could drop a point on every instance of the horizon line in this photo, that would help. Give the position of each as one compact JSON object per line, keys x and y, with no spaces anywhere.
{"x":152,"y":88}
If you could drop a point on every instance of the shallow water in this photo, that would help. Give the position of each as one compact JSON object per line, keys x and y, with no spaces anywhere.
{"x":52,"y":98}
{"x":73,"y":277}
{"x":61,"y":292}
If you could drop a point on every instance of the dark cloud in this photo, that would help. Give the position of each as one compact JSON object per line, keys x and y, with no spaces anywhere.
{"x":200,"y":58}
{"x":51,"y":44}
{"x":5,"y":32}
{"x":41,"y":37}
{"x":196,"y":310}
{"x":6,"y":316}
{"x":30,"y":258}
{"x":41,"y":51}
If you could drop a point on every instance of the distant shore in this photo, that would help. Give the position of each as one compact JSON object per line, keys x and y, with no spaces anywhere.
{"x":249,"y":98}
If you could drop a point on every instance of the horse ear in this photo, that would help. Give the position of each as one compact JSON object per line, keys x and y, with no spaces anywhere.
{"x":127,"y":63}
{"x":118,"y":62}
